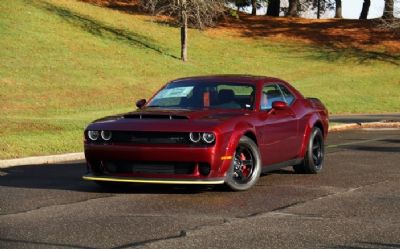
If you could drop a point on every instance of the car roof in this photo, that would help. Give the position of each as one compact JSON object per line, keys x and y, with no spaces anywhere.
{"x":231,"y":78}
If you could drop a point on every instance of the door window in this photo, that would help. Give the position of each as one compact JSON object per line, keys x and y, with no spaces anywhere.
{"x":287,"y":95}
{"x":270,"y":94}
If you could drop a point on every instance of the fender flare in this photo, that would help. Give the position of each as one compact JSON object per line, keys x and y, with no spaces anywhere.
{"x":239,"y":130}
{"x":313,"y":121}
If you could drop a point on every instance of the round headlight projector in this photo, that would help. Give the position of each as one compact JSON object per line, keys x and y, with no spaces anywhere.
{"x":93,"y":135}
{"x":106,"y":135}
{"x":195,"y":137}
{"x":207,"y":137}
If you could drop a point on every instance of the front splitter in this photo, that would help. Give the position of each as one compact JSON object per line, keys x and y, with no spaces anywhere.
{"x":153,"y":181}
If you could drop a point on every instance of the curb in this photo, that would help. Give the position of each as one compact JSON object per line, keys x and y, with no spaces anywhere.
{"x":352,"y":126}
{"x":80,"y":155}
{"x":41,"y":160}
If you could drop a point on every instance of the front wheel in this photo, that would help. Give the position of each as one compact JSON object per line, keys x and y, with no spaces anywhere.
{"x":246,"y":166}
{"x":314,"y":157}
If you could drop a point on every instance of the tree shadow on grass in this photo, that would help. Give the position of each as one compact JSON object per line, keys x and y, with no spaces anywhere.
{"x":103,"y":30}
{"x":127,"y":6}
{"x":331,"y":40}
{"x":356,"y":55}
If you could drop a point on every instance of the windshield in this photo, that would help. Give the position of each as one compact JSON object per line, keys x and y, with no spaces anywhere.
{"x":197,"y":95}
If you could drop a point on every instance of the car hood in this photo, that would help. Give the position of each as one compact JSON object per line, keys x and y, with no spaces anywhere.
{"x":167,"y":120}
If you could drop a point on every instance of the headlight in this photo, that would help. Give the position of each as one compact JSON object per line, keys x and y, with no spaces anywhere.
{"x":93,"y":135}
{"x":195,"y":137}
{"x":106,"y":135}
{"x":208,"y":137}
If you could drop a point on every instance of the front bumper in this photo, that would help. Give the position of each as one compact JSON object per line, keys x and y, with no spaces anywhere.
{"x":218,"y":161}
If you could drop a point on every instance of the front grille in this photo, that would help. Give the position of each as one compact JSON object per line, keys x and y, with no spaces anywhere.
{"x":133,"y":137}
{"x":149,"y":167}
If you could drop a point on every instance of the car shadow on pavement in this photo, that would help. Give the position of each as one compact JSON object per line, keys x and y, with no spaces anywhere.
{"x":68,"y":176}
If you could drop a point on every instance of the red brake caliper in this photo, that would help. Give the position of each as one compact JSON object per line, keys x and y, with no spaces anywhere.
{"x":245,"y":170}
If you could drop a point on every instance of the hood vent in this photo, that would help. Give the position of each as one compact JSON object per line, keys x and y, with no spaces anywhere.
{"x":154,"y":116}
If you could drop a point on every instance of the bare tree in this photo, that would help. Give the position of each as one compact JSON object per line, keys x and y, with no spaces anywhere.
{"x":254,"y":7}
{"x":388,"y":10}
{"x":388,"y":20}
{"x":274,"y":7}
{"x":293,"y":8}
{"x":195,"y":13}
{"x":365,"y":9}
{"x":338,"y":9}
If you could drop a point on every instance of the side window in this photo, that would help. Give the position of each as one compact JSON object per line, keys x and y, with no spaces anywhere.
{"x":270,"y":93}
{"x":288,"y":96}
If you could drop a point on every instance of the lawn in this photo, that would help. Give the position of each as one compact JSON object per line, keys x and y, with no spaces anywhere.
{"x":64,"y":63}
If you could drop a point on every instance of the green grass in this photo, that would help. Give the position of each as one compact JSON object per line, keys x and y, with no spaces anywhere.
{"x":64,"y":63}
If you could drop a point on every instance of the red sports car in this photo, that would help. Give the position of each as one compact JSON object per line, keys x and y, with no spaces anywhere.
{"x":224,"y":129}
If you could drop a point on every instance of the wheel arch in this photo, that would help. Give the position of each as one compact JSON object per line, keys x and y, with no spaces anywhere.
{"x":250,"y":134}
{"x":239,"y":130}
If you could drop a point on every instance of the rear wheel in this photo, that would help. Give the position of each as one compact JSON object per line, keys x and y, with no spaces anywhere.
{"x":314,"y":157}
{"x":246,"y":166}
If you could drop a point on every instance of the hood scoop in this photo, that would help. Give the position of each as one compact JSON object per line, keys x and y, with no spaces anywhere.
{"x":154,"y":116}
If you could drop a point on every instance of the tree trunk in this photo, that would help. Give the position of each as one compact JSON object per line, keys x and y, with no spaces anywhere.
{"x":365,"y":9}
{"x":184,"y":29}
{"x":254,"y":7}
{"x":388,"y":10}
{"x":292,"y":10}
{"x":318,"y":9}
{"x":274,"y":7}
{"x":338,"y":12}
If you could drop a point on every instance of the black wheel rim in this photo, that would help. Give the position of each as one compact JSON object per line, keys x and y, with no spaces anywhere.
{"x":317,"y":151}
{"x":243,"y":165}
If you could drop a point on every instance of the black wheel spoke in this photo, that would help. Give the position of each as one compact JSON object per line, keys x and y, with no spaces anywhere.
{"x":240,"y":174}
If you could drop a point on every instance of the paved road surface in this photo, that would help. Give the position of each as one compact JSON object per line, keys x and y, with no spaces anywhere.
{"x":353,"y":203}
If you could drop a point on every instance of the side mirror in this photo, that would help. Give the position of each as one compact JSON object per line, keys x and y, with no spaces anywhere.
{"x":140,"y":103}
{"x":279,"y":105}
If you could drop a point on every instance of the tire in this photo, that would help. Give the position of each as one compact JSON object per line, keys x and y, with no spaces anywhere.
{"x":245,"y":169}
{"x":314,"y":157}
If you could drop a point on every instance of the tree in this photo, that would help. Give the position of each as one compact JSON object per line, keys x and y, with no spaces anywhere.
{"x":195,"y":13}
{"x":293,"y":7}
{"x":184,"y":28}
{"x":338,"y":9}
{"x":365,"y":9}
{"x":254,"y":7}
{"x":388,"y":10}
{"x":274,"y":7}
{"x":388,"y":20}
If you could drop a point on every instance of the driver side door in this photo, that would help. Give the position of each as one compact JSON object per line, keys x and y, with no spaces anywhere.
{"x":279,"y":128}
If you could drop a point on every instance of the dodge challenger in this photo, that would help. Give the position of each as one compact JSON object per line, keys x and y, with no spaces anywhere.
{"x":221,"y":129}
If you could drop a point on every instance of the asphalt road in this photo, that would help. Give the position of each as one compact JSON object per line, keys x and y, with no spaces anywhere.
{"x":353,"y":203}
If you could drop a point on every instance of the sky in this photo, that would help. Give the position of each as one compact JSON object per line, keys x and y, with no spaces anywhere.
{"x":351,"y":9}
